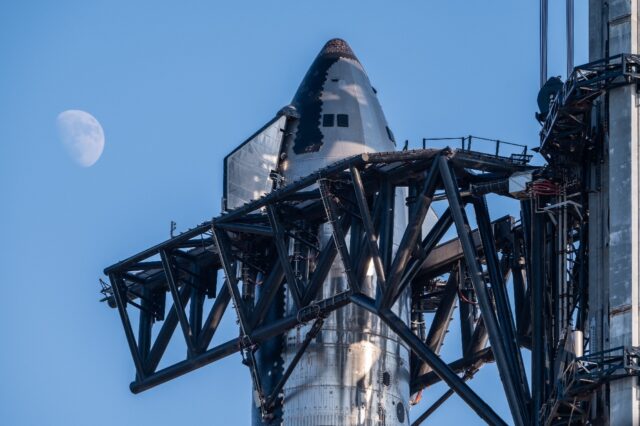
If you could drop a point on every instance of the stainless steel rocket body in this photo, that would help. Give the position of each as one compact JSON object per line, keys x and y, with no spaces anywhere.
{"x":356,"y":371}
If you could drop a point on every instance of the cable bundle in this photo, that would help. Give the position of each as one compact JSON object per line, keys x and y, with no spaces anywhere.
{"x":544,"y":187}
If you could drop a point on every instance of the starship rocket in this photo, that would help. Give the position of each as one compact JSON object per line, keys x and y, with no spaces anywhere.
{"x":356,"y":371}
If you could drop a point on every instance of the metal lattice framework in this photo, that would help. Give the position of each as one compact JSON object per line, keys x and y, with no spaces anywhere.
{"x":354,"y":196}
{"x":565,"y":132}
{"x":572,"y":394}
{"x":571,"y":141}
{"x":545,"y":257}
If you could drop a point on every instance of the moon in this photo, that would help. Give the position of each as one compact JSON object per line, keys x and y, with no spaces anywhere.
{"x":81,"y":135}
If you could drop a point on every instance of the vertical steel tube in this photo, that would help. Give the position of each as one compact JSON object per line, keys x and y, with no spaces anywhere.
{"x":543,"y":41}
{"x":387,"y":194}
{"x":486,"y":307}
{"x":538,"y":230}
{"x":196,"y":311}
{"x":121,"y":303}
{"x":145,"y":324}
{"x":570,"y":32}
{"x":503,"y":308}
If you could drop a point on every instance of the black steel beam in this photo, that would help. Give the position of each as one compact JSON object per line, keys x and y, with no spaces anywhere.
{"x":479,"y":358}
{"x":519,"y":289}
{"x":484,"y":300}
{"x":177,"y":303}
{"x":503,"y":307}
{"x":141,"y":266}
{"x":313,"y":332}
{"x":196,"y":312}
{"x":325,"y":260}
{"x":357,"y":242}
{"x":247,"y":228}
{"x":198,"y":243}
{"x":415,"y":158}
{"x":230,"y":347}
{"x":268,"y":291}
{"x":121,"y":302}
{"x":442,"y":369}
{"x":145,"y":324}
{"x":479,"y":338}
{"x":387,"y":197}
{"x":369,"y":231}
{"x":466,"y":312}
{"x":439,"y":367}
{"x":410,"y":236}
{"x":166,"y":331}
{"x":213,"y":318}
{"x":488,"y":163}
{"x":440,"y":322}
{"x":444,"y":256}
{"x":290,"y":191}
{"x":442,"y":318}
{"x":150,"y":252}
{"x":414,"y":267}
{"x":133,"y":278}
{"x":338,"y":235}
{"x":302,"y":241}
{"x":224,"y":249}
{"x":283,"y":255}
{"x":441,"y":400}
{"x":432,"y":408}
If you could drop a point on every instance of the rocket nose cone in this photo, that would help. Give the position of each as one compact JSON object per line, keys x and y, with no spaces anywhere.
{"x":337,"y":47}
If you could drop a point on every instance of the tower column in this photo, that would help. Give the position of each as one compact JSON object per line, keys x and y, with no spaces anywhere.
{"x":614,"y":210}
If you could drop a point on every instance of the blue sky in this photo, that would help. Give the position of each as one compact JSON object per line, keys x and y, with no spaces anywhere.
{"x":176,"y":86}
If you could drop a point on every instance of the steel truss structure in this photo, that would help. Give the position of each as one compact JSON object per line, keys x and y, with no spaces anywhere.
{"x":354,"y":196}
{"x":566,"y":130}
{"x":564,"y":381}
{"x":544,"y":256}
{"x":581,"y":377}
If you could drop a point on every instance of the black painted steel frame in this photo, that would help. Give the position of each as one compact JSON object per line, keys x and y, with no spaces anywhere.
{"x":571,"y":140}
{"x":565,"y":130}
{"x":356,"y":196}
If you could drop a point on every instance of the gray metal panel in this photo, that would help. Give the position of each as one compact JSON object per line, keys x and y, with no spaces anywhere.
{"x":249,"y":166}
{"x":614,"y":232}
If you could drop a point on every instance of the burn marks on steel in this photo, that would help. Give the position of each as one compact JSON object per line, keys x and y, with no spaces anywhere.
{"x":307,"y":99}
